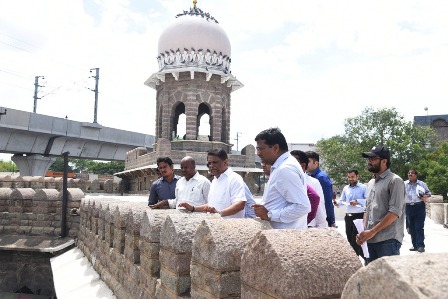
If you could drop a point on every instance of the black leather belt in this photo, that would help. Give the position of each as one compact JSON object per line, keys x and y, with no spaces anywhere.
{"x":414,"y":203}
{"x":355,"y":214}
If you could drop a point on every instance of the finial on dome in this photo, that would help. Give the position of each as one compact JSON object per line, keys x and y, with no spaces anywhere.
{"x":194,"y":3}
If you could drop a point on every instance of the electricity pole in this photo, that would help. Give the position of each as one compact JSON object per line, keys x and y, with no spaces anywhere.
{"x":36,"y":86}
{"x":237,"y":135}
{"x":97,"y":78}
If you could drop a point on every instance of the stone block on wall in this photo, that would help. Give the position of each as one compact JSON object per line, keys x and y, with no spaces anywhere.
{"x":412,"y":276}
{"x":5,"y":195}
{"x":152,"y":223}
{"x":5,"y":181}
{"x":109,"y":186}
{"x":438,"y":212}
{"x":289,"y":264}
{"x":176,"y":240}
{"x":216,"y":255}
{"x":95,"y":185}
{"x":132,"y":236}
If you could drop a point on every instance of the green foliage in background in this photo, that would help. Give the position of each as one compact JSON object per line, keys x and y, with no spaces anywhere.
{"x":89,"y":166}
{"x":7,"y":166}
{"x":407,"y":142}
{"x":433,"y":170}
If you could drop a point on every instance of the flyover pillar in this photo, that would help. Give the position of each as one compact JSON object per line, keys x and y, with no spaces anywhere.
{"x":32,"y":164}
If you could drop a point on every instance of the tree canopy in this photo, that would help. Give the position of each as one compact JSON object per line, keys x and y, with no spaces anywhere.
{"x":433,"y":170}
{"x":407,"y":142}
{"x":7,"y":166}
{"x":82,"y":165}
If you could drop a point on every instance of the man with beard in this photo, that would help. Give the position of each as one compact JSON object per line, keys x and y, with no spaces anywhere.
{"x":353,"y":196}
{"x":385,"y":207}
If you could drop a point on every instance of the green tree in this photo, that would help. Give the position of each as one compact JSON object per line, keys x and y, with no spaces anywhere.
{"x":106,"y":167}
{"x":81,"y":165}
{"x":84,"y":165}
{"x":433,"y":170}
{"x":407,"y":142}
{"x":58,"y":165}
{"x":7,"y":166}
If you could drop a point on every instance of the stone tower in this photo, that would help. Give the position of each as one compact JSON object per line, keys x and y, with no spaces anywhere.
{"x":194,"y":79}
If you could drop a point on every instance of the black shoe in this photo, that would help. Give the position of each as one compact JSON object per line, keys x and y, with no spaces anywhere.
{"x":412,"y":249}
{"x":421,"y":249}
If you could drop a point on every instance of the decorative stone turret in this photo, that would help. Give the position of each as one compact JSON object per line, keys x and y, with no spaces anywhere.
{"x":194,"y":78}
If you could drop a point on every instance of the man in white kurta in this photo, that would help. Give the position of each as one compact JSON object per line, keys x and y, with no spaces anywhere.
{"x":227,"y":189}
{"x":192,"y":188}
{"x":194,"y":191}
{"x":226,"y":196}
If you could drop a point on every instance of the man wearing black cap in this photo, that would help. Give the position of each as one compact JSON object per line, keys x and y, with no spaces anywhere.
{"x":385,"y":207}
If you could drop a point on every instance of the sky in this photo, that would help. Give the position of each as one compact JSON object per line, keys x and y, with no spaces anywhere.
{"x":306,"y":66}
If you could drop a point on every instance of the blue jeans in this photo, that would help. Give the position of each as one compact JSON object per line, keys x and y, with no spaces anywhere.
{"x":415,"y":218}
{"x":384,"y":248}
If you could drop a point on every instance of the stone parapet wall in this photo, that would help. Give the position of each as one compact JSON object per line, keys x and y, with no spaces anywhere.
{"x":144,"y":253}
{"x":37,"y":212}
{"x":39,"y":182}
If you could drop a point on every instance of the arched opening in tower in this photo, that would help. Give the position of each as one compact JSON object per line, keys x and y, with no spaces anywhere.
{"x":182,"y":126}
{"x":178,"y":130}
{"x":204,"y":128}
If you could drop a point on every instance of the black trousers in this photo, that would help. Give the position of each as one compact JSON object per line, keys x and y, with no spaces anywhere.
{"x":351,"y":231}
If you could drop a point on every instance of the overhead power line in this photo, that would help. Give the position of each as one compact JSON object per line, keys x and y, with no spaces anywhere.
{"x":15,"y":47}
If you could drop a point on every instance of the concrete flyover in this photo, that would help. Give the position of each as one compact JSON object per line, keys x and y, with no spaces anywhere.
{"x":36,"y":140}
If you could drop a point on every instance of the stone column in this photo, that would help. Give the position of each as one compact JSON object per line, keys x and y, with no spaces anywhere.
{"x":176,"y":238}
{"x":32,"y":164}
{"x":151,"y":226}
{"x":217,"y":120}
{"x":191,"y":114}
{"x":216,"y":256}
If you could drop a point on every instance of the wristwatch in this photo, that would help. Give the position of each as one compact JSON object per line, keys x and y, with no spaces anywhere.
{"x":220,"y":213}
{"x":269,"y":215}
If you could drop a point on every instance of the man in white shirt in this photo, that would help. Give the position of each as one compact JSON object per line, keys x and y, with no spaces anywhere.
{"x":285,"y":203}
{"x":192,"y":188}
{"x":226,"y":196}
{"x":320,"y":221}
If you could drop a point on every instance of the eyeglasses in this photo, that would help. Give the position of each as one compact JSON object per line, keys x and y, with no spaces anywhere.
{"x":371,"y":159}
{"x":260,"y":149}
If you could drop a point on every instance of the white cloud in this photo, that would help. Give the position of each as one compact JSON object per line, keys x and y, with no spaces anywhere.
{"x":306,"y":65}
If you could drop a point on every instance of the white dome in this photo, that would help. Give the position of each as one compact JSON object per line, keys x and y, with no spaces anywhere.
{"x":194,"y":41}
{"x":194,"y":31}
